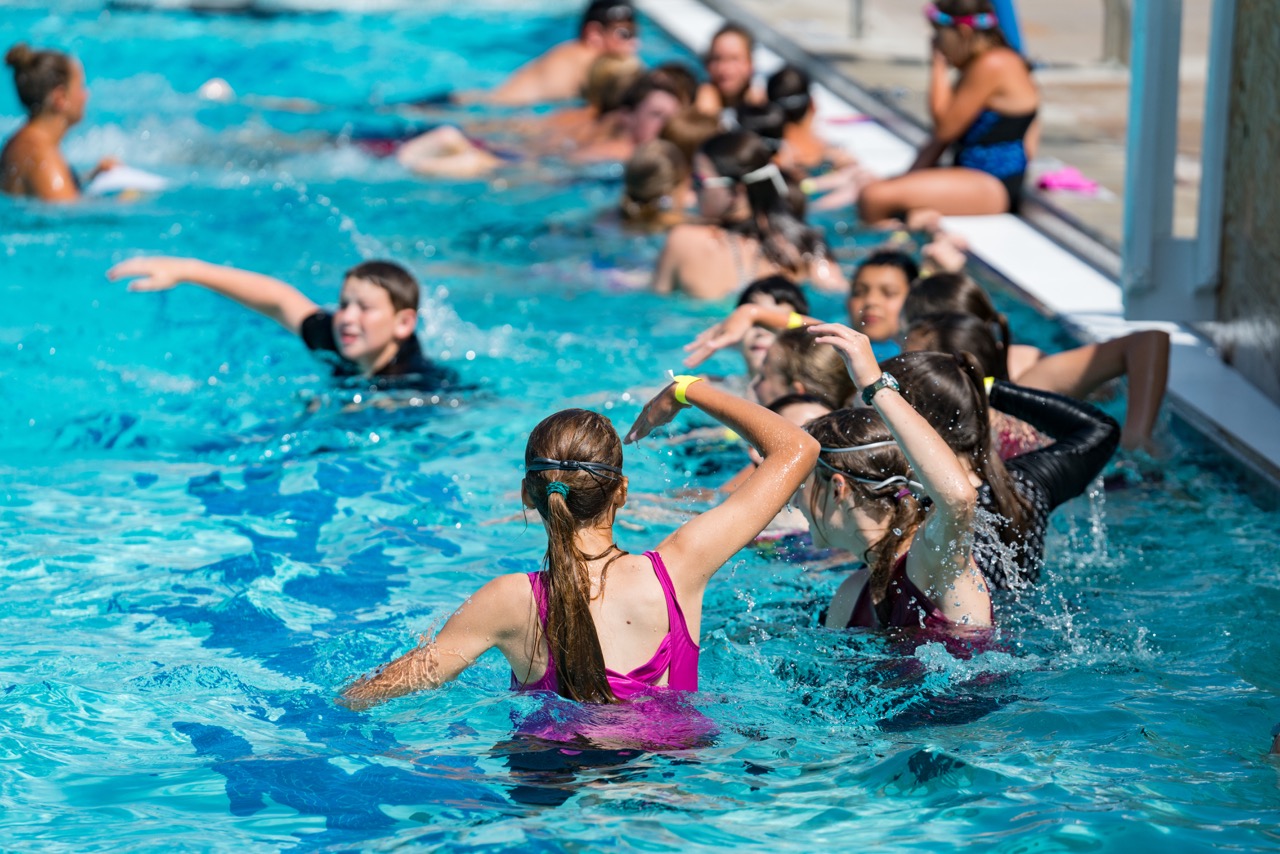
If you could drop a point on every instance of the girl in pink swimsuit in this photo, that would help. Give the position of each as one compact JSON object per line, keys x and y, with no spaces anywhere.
{"x":598,"y":624}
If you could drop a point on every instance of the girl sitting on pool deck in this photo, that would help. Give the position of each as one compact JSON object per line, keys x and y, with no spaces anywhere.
{"x":564,"y":629}
{"x":51,"y":86}
{"x":371,"y":335}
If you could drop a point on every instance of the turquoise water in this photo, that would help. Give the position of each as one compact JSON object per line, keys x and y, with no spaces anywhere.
{"x":201,"y":544}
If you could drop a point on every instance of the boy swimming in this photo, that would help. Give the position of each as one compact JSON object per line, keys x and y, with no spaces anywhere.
{"x":371,"y":335}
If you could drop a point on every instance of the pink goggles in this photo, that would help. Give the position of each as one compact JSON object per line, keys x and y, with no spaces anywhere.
{"x":980,"y":21}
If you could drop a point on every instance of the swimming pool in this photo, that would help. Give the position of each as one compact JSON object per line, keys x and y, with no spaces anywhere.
{"x":196,"y":561}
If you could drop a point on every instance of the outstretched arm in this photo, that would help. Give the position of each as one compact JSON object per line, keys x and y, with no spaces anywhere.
{"x":701,"y":546}
{"x":270,"y":297}
{"x":1142,"y":357}
{"x":494,"y":616}
{"x":734,"y":328}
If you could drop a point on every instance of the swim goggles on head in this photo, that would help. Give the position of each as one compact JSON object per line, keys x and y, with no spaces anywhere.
{"x":545,"y":464}
{"x":876,"y":485}
{"x":980,"y":21}
{"x":722,"y":181}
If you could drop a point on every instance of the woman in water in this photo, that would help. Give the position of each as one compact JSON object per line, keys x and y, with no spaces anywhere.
{"x":750,"y":229}
{"x":985,"y":116}
{"x":730,"y":69}
{"x":598,"y":624}
{"x":51,"y":86}
{"x":877,"y":467}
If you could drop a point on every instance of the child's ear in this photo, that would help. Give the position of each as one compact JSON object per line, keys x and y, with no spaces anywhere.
{"x":406,"y":323}
{"x":524,"y":497}
{"x":839,"y":487}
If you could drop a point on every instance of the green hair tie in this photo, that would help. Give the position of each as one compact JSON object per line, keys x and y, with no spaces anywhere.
{"x":558,"y":487}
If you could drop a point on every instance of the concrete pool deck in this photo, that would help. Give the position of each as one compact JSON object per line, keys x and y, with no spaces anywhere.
{"x":1086,"y":296}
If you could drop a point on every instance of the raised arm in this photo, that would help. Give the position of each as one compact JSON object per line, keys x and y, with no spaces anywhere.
{"x":941,"y":552}
{"x":496,"y":615}
{"x":701,"y":546}
{"x":1085,"y":438}
{"x":734,"y":328}
{"x":270,"y":297}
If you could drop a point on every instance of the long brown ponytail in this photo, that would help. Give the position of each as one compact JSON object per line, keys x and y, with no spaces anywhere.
{"x":849,"y":428}
{"x":580,"y":493}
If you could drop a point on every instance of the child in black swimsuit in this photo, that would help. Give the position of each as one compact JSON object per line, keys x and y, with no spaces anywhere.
{"x":371,"y":335}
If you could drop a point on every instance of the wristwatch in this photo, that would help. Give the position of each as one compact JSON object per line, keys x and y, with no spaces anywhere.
{"x":886,"y":381}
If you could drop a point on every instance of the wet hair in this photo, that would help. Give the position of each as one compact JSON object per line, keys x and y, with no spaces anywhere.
{"x":955,"y":292}
{"x":607,"y":12}
{"x":644,"y":86}
{"x":766,"y":120}
{"x":733,"y":29}
{"x":798,"y":399}
{"x":681,"y":78}
{"x":36,"y":73}
{"x":608,"y":79}
{"x":847,"y":428}
{"x":585,"y":437}
{"x":948,"y":390}
{"x":780,"y":289}
{"x":398,"y":282}
{"x":689,"y":129}
{"x":789,"y":89}
{"x":890,"y":258}
{"x":784,"y":238}
{"x":954,"y":332}
{"x":799,"y":357}
{"x":654,"y":172}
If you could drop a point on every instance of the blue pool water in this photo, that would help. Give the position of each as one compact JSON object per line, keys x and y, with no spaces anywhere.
{"x":201,"y":543}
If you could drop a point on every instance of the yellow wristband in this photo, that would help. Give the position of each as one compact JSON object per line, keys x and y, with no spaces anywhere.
{"x":988,"y":382}
{"x":795,"y":321}
{"x":682,"y":386}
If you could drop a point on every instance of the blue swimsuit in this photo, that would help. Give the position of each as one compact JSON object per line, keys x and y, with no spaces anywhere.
{"x":994,"y":144}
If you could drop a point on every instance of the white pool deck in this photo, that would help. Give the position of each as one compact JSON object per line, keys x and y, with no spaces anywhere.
{"x":1207,"y":393}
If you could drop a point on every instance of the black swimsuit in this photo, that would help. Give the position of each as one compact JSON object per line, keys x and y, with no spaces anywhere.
{"x":1085,"y":438}
{"x":409,"y":369}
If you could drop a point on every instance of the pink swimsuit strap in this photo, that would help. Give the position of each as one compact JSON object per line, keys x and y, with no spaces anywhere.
{"x":676,"y":656}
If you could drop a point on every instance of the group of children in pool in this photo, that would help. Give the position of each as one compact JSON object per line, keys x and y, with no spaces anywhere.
{"x":938,"y":467}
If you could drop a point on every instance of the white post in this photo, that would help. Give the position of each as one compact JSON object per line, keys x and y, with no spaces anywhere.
{"x":1159,"y":272}
{"x":1213,"y":157}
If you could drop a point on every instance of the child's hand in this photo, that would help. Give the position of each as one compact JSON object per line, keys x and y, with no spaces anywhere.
{"x":726,"y":333}
{"x":854,"y":348}
{"x":149,"y":274}
{"x":661,"y":410}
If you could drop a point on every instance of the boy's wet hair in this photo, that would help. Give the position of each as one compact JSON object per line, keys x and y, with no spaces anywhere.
{"x":780,"y":289}
{"x":398,"y":282}
{"x":891,"y":258}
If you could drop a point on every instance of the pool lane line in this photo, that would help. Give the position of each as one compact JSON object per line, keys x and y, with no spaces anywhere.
{"x":1077,"y":286}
